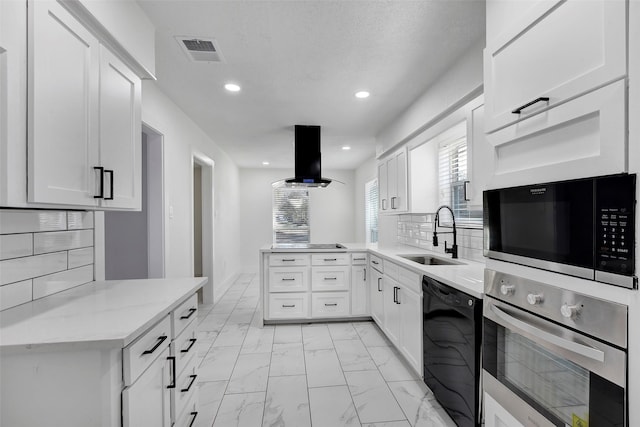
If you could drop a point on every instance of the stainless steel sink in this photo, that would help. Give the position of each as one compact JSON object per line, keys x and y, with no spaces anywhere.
{"x":430,"y":260}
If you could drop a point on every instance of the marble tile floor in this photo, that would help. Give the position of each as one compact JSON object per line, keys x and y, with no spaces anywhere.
{"x":310,"y":375}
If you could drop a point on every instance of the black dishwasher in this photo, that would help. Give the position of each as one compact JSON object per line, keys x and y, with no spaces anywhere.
{"x":452,"y":333}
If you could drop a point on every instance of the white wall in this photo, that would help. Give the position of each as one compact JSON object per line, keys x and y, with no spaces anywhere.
{"x":365,"y":173}
{"x":458,"y":85}
{"x":331,"y":210}
{"x":182,"y":137}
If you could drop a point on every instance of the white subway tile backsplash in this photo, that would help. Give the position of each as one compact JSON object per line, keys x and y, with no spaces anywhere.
{"x":15,"y":294}
{"x":61,"y":240}
{"x":47,"y":285}
{"x":79,"y":220}
{"x":16,"y":245}
{"x":80,"y":257}
{"x":17,"y":269}
{"x":29,"y":221}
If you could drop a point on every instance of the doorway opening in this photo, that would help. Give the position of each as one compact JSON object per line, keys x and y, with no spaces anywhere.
{"x":134,"y":241}
{"x":202,"y":221}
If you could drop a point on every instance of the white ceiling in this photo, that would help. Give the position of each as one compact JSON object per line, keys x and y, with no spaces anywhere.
{"x":300,"y":62}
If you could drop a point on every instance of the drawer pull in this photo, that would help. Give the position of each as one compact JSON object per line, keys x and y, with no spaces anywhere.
{"x":330,"y":259}
{"x":288,"y":259}
{"x":101,"y":192}
{"x":364,"y":275}
{"x":373,"y":261}
{"x":191,"y":311}
{"x":331,"y":305}
{"x":193,"y":420}
{"x":110,"y":172}
{"x":393,"y":203}
{"x":173,"y":369}
{"x":288,"y":279}
{"x":288,"y":306}
{"x":155,"y":347}
{"x":186,"y":350}
{"x":193,"y":379}
{"x":529,"y":104}
{"x":330,"y":278}
{"x":359,"y":259}
{"x":379,"y":280}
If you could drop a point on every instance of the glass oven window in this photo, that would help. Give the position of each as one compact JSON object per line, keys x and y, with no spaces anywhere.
{"x":558,"y":385}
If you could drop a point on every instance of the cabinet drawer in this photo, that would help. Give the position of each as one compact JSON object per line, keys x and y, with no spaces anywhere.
{"x":330,"y":304}
{"x":330,"y":278}
{"x":288,"y":259}
{"x":138,"y":355}
{"x":186,"y":387}
{"x":330,"y":259}
{"x":184,"y":314}
{"x":190,"y":413}
{"x":183,"y":348}
{"x":359,"y":259}
{"x":376,"y":262}
{"x":410,"y":279}
{"x":288,"y":306}
{"x":391,"y":269}
{"x":288,"y":279}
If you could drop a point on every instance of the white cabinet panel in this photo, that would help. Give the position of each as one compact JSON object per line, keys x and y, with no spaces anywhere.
{"x":288,"y":259}
{"x":183,"y":315}
{"x":410,"y":307}
{"x":583,"y":137}
{"x":376,"y":294}
{"x":141,"y":353}
{"x":391,"y":322}
{"x":330,"y":259}
{"x":392,"y":182}
{"x":288,"y":279}
{"x":359,"y":291}
{"x":383,"y":186}
{"x":120,"y":132}
{"x":481,"y":157}
{"x":289,"y":306}
{"x":63,"y":101}
{"x":555,"y":50}
{"x":330,"y":278}
{"x":330,"y":304}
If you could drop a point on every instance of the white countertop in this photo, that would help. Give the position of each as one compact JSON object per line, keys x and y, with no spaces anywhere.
{"x":467,"y":277}
{"x":105,"y":313}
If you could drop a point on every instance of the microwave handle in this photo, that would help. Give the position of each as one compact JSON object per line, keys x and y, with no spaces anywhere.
{"x":583,"y":350}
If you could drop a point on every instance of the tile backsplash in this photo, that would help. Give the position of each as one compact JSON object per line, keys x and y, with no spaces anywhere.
{"x":417,"y":230}
{"x":43,"y":252}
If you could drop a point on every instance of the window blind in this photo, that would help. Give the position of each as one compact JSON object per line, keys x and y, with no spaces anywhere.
{"x":290,"y":215}
{"x":371,"y":210}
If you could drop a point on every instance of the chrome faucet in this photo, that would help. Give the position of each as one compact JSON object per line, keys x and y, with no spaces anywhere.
{"x":453,"y":250}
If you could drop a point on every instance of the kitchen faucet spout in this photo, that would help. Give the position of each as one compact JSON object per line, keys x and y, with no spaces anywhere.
{"x":453,"y":250}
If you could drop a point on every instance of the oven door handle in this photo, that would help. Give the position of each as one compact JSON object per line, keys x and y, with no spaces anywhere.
{"x":583,"y":350}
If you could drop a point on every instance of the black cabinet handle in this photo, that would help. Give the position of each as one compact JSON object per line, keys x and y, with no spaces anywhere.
{"x":529,"y":104}
{"x":359,"y":259}
{"x":186,"y":350}
{"x":193,"y":379}
{"x":286,"y":279}
{"x":110,"y":172}
{"x":330,"y":305}
{"x":330,"y":259}
{"x":330,"y":278}
{"x":288,"y":306}
{"x":193,"y":420}
{"x":379,"y":280}
{"x":384,"y":204}
{"x":464,"y":187}
{"x":101,"y":194}
{"x":397,"y":295}
{"x":364,"y":275}
{"x":288,"y":259}
{"x":155,"y":347}
{"x":393,"y":204}
{"x":191,"y":311}
{"x":375,"y":262}
{"x":173,"y":370}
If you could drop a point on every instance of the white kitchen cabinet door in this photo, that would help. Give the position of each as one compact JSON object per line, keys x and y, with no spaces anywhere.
{"x":497,"y":416}
{"x":555,"y":50}
{"x":146,"y":403}
{"x":359,"y":291}
{"x":399,"y":198}
{"x":391,"y":324}
{"x":376,"y":294}
{"x":120,"y":133}
{"x":383,"y":186}
{"x":63,"y":90}
{"x":481,"y":160}
{"x":410,"y":308}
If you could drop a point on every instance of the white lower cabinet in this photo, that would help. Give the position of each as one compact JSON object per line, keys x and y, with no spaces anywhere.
{"x":376,"y":293}
{"x":330,"y":304}
{"x":289,"y":305}
{"x":146,"y":402}
{"x":391,"y":324}
{"x":497,"y":416}
{"x":410,"y":306}
{"x":330,"y":278}
{"x":359,"y":291}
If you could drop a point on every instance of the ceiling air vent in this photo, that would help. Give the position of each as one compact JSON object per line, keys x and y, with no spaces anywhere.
{"x":200,"y":49}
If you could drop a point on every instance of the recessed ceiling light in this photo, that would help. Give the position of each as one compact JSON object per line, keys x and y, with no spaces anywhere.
{"x":232,"y":87}
{"x":265,"y":163}
{"x":362,"y":94}
{"x":346,"y":147}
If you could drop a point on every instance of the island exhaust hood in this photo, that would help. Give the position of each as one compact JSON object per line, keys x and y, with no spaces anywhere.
{"x":308,"y":167}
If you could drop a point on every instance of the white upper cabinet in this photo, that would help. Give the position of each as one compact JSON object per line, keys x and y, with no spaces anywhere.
{"x":63,"y":102}
{"x":423,"y":169}
{"x":120,"y":132}
{"x":543,"y":53}
{"x":481,"y":157}
{"x":392,"y":182}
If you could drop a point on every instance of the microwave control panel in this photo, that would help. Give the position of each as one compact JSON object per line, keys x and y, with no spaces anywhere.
{"x":615,"y":224}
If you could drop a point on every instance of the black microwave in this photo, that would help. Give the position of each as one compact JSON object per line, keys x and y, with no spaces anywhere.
{"x":583,"y":227}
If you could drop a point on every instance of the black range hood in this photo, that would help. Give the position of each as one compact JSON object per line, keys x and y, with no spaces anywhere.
{"x":308,"y":167}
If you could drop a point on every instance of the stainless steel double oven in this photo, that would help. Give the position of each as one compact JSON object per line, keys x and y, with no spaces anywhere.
{"x":553,"y":357}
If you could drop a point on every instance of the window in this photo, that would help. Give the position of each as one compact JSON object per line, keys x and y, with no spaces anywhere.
{"x":290,"y":215}
{"x":452,"y":175}
{"x":371,"y":210}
